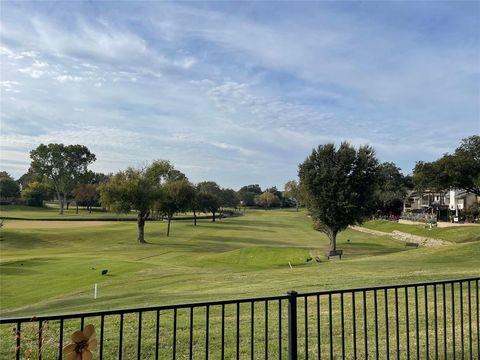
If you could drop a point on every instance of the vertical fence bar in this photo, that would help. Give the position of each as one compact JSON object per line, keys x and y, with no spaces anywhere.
{"x":82,"y":322}
{"x":292,"y":325}
{"x":365,"y":327}
{"x":417,"y":332}
{"x":266,"y":329}
{"x":60,"y":342}
{"x":461,"y":321}
{"x":407,"y":323}
{"x":397,"y":325}
{"x":375,"y":302}
{"x":453,"y":321}
{"x":238,"y":332}
{"x":330,"y":324}
{"x":139,"y":336}
{"x":207,"y":330}
{"x":40,"y":339}
{"x":478,"y":320}
{"x":435,"y":319}
{"x":157,"y":335}
{"x":306,"y":327}
{"x":174,"y":340}
{"x":342,"y":315}
{"x":427,"y":351}
{"x":190,"y":345}
{"x":354,"y":327}
{"x":279,"y":329}
{"x":102,"y":334}
{"x":470,"y":350}
{"x":252,"y":331}
{"x":319,"y":344}
{"x":223,"y":331}
{"x":17,"y":341}
{"x":387,"y":336}
{"x":120,"y":340}
{"x":444,"y":301}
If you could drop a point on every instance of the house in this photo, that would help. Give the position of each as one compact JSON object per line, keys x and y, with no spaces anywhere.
{"x":439,"y":203}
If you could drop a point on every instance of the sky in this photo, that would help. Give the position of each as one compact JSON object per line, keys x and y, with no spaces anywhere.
{"x":237,"y":92}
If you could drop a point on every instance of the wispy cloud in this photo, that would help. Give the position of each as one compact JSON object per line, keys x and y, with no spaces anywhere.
{"x":237,"y":93}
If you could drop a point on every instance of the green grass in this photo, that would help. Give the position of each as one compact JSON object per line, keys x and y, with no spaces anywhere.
{"x":458,"y":234}
{"x":51,"y":267}
{"x":50,"y":211}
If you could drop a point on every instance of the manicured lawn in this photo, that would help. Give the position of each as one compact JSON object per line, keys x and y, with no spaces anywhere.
{"x":458,"y":234}
{"x":51,"y":267}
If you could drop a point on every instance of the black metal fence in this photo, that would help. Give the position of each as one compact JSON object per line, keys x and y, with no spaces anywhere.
{"x":435,"y":320}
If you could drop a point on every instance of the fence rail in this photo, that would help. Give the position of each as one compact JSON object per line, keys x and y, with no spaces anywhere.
{"x":431,"y":320}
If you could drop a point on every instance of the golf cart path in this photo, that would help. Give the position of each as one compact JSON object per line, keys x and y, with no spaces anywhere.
{"x":406,"y":237}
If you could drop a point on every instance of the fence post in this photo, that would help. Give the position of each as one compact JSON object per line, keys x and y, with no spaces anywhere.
{"x":292,"y":325}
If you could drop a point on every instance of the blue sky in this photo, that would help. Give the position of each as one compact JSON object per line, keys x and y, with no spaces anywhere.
{"x":238,"y":92}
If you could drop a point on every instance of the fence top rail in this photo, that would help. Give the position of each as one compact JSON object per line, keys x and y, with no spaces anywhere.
{"x":387,"y":287}
{"x":222,"y":302}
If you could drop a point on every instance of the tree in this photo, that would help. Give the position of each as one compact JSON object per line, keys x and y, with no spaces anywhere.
{"x":247,"y":194}
{"x":86,"y":195}
{"x":9,"y":188}
{"x":267,"y":200}
{"x":210,"y":203}
{"x":136,"y":189}
{"x":62,"y":166}
{"x":459,"y":170}
{"x":177,"y":197}
{"x":209,"y":187}
{"x":339,"y":185}
{"x":35,"y":192}
{"x":228,"y":198}
{"x":390,"y":189}
{"x":292,"y":191}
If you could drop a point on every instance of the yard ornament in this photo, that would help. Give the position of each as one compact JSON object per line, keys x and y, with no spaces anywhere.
{"x":83,"y":343}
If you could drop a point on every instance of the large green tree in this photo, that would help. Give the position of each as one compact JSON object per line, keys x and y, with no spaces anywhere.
{"x":9,"y":188}
{"x":137,"y":189}
{"x":390,"y":190}
{"x":177,"y":196}
{"x":339,"y":185}
{"x":62,"y":166}
{"x":267,"y":200}
{"x":459,"y":170}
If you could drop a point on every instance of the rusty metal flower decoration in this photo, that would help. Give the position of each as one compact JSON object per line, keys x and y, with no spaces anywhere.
{"x":83,"y":343}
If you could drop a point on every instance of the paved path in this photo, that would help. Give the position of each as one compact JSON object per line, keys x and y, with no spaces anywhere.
{"x":406,"y":237}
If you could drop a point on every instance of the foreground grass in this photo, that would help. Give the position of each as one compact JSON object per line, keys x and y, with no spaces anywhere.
{"x":51,"y":267}
{"x":458,"y":234}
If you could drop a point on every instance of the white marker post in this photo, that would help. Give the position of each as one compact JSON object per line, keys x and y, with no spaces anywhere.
{"x":95,"y":292}
{"x":290,"y":265}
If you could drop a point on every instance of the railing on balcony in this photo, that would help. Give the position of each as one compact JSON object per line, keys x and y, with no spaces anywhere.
{"x":437,"y":320}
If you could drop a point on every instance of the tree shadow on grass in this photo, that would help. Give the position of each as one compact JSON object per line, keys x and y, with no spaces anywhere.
{"x":22,"y":241}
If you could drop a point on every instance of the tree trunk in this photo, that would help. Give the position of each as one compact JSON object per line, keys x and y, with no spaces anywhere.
{"x":61,"y":203}
{"x":77,"y":209}
{"x":333,"y":240}
{"x":194,"y":218}
{"x":168,"y":226}
{"x":213,"y":217}
{"x":141,"y":229}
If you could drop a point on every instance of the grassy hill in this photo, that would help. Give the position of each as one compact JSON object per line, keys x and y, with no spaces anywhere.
{"x":51,"y":267}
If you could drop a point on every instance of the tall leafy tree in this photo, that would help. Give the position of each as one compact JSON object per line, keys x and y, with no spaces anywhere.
{"x":390,"y":189}
{"x":177,"y":197}
{"x":136,"y":189}
{"x":339,"y":185}
{"x":292,"y":190}
{"x":458,"y":170}
{"x":9,"y":188}
{"x":62,"y":166}
{"x":247,"y":194}
{"x":267,"y":200}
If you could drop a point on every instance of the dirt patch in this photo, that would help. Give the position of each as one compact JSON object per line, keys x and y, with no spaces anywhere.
{"x":405,"y":237}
